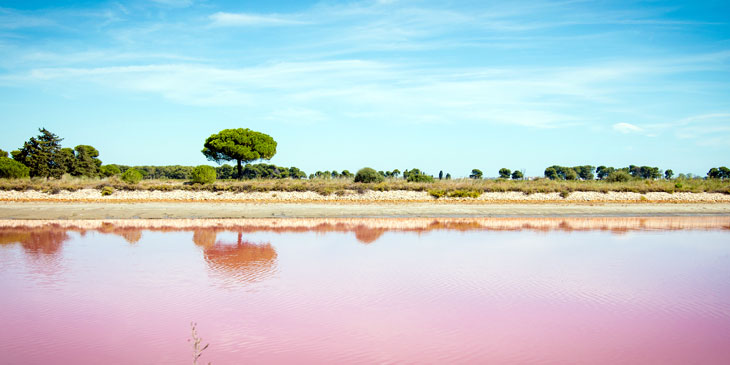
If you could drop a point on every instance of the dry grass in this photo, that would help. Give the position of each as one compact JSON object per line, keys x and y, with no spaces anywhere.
{"x":339,"y":186}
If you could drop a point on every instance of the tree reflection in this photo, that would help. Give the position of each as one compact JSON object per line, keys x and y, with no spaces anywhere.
{"x":240,"y":261}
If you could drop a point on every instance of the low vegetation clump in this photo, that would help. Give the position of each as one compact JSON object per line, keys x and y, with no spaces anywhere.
{"x":107,"y":190}
{"x":440,"y":193}
{"x":203,"y":174}
{"x":368,"y":175}
{"x":132,"y":176}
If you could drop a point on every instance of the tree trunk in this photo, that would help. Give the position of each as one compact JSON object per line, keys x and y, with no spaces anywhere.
{"x":240,"y":170}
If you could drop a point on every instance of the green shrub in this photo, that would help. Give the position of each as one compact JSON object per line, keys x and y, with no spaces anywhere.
{"x":11,"y":169}
{"x":564,"y":194}
{"x":368,"y":175}
{"x":109,"y":170}
{"x":203,"y":174}
{"x":464,"y":194}
{"x":420,"y":178}
{"x":437,"y":193}
{"x":132,"y":176}
{"x":618,"y":176}
{"x":107,"y":190}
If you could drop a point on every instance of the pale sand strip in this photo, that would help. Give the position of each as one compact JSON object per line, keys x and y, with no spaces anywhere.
{"x":180,"y":210}
{"x":616,"y":224}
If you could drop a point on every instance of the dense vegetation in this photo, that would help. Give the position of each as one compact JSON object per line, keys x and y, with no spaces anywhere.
{"x":42,"y":158}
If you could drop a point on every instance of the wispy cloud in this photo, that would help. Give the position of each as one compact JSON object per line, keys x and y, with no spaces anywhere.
{"x":627,"y":128}
{"x":222,"y":19}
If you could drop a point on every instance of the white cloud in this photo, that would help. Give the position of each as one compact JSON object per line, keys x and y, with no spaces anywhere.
{"x":627,"y":128}
{"x":222,"y":19}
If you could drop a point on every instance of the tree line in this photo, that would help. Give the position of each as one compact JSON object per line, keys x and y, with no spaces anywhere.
{"x":43,"y":156}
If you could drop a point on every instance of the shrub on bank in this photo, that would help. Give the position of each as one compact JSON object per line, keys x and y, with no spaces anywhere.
{"x":132,"y":176}
{"x":618,"y":176}
{"x":368,"y":175}
{"x":11,"y":169}
{"x":420,"y":178}
{"x":203,"y":174}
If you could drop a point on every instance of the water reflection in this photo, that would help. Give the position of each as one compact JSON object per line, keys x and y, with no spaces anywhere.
{"x":41,"y":246}
{"x":241,"y":261}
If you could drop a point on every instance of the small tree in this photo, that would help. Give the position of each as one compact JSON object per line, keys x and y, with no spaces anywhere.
{"x":109,"y":170}
{"x":132,"y":176}
{"x":203,"y":174}
{"x":441,"y":175}
{"x":241,"y":145}
{"x":504,"y":173}
{"x":368,"y":175}
{"x":3,"y":153}
{"x":618,"y":176}
{"x":448,"y":176}
{"x":11,"y":169}
{"x":517,"y":175}
{"x":87,"y":161}
{"x":476,"y":174}
{"x":668,"y":174}
{"x":724,"y":172}
{"x":570,"y":174}
{"x":551,"y":173}
{"x":396,"y":173}
{"x":714,"y":173}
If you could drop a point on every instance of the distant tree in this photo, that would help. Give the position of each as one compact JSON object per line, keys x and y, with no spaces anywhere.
{"x":448,"y":176}
{"x":517,"y":175}
{"x":382,"y":173}
{"x":241,"y":145}
{"x":368,"y":175}
{"x":203,"y":174}
{"x":584,"y":172}
{"x":109,"y":170}
{"x":86,"y":162}
{"x":441,"y":175}
{"x":714,"y":173}
{"x":335,"y":174}
{"x":570,"y":174}
{"x":347,"y":174}
{"x":476,"y":174}
{"x":3,"y":153}
{"x":396,"y":173}
{"x":41,"y":155}
{"x":602,"y":172}
{"x":296,"y":173}
{"x":668,"y":174}
{"x":504,"y":173}
{"x":551,"y":173}
{"x":724,"y":172}
{"x":11,"y":169}
{"x":224,"y":172}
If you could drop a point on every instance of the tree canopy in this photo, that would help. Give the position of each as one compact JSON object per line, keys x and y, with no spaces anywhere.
{"x":42,"y":155}
{"x":241,"y":145}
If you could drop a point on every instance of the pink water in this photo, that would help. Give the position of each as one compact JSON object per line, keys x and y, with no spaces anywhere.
{"x":127,"y":296}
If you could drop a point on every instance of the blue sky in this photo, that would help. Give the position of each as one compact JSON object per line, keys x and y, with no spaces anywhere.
{"x":438,"y":85}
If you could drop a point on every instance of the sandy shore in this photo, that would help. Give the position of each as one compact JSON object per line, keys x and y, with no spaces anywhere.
{"x":178,"y":210}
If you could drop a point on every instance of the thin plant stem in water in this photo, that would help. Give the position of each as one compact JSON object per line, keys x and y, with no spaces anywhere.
{"x":197,"y":350}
